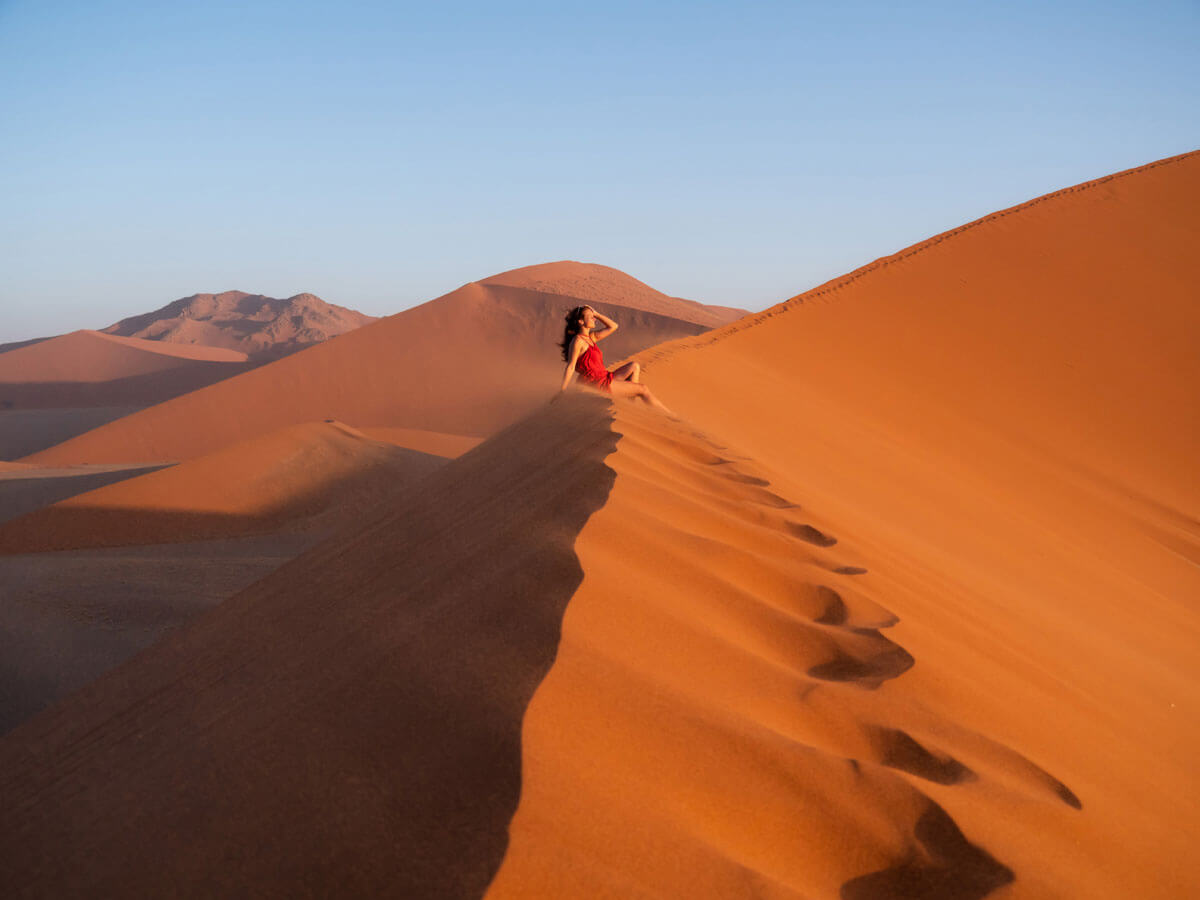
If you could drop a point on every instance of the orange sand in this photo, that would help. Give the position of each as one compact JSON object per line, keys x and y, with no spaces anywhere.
{"x":903,"y":607}
{"x":1000,"y":425}
{"x":436,"y":443}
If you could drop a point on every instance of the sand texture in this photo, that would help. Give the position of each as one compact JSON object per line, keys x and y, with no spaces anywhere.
{"x":991,"y":677}
{"x":902,"y":605}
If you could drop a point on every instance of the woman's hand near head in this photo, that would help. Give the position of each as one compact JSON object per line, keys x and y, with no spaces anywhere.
{"x":611,"y":326}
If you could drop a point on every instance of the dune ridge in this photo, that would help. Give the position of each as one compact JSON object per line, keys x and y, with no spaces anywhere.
{"x":594,"y":283}
{"x":718,"y":721}
{"x":348,"y":724}
{"x":755,"y":318}
{"x":993,"y":443}
{"x":89,"y":368}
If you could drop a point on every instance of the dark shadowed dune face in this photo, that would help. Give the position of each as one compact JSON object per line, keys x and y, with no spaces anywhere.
{"x":349,"y":724}
{"x":946,"y":867}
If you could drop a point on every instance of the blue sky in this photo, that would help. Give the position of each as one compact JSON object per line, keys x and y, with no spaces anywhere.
{"x":380,"y":154}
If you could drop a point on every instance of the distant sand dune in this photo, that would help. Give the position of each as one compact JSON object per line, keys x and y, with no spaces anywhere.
{"x":90,"y":368}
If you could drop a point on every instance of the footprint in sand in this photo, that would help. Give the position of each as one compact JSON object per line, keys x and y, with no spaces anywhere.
{"x":810,"y":534}
{"x":742,"y":478}
{"x":899,"y":750}
{"x":861,"y":655}
{"x":947,"y":867}
{"x":882,"y":661}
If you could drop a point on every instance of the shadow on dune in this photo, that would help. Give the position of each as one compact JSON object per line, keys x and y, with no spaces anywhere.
{"x":19,"y":496}
{"x":351,"y":724}
{"x":947,"y":867}
{"x":27,"y":431}
{"x":143,"y":389}
{"x":80,"y":526}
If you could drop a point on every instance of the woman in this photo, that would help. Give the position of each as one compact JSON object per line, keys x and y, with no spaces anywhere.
{"x":583,"y":356}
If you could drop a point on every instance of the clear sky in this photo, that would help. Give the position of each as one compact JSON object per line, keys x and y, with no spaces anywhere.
{"x":379,"y":154}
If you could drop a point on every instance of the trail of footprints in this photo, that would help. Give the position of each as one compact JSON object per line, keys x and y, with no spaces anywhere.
{"x":861,"y":656}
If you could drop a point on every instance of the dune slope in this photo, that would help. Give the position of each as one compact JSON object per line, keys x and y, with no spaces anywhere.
{"x":348,"y":725}
{"x":324,"y":469}
{"x":89,"y":368}
{"x":998,"y":428}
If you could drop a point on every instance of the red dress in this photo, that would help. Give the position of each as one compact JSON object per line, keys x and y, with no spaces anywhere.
{"x":590,"y":366}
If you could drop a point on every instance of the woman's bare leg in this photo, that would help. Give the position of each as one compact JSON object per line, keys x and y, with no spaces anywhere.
{"x":631,"y":371}
{"x":640,"y":391}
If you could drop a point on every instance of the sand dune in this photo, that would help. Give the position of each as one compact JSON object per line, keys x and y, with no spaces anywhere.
{"x":467,"y":363}
{"x":902,"y":607}
{"x":90,"y":368}
{"x":349,"y":725}
{"x":999,"y":429}
{"x":324,"y":469}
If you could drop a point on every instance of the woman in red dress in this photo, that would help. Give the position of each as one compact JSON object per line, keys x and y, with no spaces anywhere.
{"x":583,"y":357}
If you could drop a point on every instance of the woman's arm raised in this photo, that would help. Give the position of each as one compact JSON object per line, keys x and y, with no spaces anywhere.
{"x":612,"y":326}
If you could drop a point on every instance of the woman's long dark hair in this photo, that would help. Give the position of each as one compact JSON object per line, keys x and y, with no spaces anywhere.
{"x":574,"y":326}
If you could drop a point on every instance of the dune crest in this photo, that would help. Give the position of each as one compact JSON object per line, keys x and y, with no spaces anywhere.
{"x":593,"y":283}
